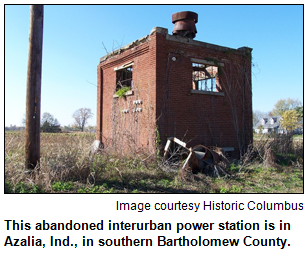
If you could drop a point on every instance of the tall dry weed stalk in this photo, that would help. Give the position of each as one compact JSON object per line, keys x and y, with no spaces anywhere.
{"x":271,"y":150}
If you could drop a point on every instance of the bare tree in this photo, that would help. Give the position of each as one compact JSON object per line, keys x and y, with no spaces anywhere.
{"x":81,"y":117}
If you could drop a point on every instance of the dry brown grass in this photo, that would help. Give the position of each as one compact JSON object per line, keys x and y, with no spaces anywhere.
{"x":64,"y":157}
{"x":67,"y":165}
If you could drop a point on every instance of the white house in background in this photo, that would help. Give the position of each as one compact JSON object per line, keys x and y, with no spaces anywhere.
{"x":270,"y":124}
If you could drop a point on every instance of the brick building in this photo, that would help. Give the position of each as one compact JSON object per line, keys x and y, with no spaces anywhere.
{"x":166,"y":85}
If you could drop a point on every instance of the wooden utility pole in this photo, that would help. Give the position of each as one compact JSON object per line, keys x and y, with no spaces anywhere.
{"x":33,"y":103}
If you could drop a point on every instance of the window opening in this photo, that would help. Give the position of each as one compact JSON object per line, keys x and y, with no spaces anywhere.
{"x":124,"y":78}
{"x":205,"y":77}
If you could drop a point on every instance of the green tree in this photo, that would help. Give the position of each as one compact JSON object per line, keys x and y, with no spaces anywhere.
{"x":289,"y":120}
{"x":283,"y":105}
{"x":300,"y":111}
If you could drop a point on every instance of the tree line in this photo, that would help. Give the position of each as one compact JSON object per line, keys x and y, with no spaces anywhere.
{"x":50,"y":124}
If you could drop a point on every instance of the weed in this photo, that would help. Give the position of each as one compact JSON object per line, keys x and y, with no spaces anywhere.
{"x":62,"y":186}
{"x":258,"y":169}
{"x":236,"y":189}
{"x":234,"y":168}
{"x":223,"y":190}
{"x":8,"y":187}
{"x":82,"y":190}
{"x":163,"y":182}
{"x":22,"y":187}
{"x":109,"y":190}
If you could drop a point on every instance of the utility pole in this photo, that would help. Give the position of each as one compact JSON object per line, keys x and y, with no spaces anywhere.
{"x":33,"y":103}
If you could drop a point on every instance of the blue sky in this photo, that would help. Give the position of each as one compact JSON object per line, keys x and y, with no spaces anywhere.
{"x":73,"y":37}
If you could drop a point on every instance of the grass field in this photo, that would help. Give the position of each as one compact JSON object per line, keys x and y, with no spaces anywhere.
{"x":68,"y":166}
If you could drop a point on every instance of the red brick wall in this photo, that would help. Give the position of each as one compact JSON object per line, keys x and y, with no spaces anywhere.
{"x":164,"y":86}
{"x":199,"y":118}
{"x":132,"y":131}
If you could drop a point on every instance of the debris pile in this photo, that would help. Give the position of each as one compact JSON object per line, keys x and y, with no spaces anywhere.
{"x":207,"y":160}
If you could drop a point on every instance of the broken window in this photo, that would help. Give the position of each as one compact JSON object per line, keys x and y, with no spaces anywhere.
{"x":205,"y":77}
{"x":124,"y":78}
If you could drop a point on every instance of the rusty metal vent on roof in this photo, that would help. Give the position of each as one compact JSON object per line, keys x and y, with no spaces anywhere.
{"x":185,"y":24}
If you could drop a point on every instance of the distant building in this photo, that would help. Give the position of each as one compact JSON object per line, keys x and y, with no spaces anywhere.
{"x":270,"y":124}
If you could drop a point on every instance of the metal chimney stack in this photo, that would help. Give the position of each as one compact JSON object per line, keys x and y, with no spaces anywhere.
{"x":185,"y":24}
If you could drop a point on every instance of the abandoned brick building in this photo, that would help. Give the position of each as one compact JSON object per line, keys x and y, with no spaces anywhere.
{"x":166,"y":85}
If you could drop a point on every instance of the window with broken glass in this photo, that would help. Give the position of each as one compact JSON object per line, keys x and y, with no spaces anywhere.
{"x":204,"y":77}
{"x":124,"y":78}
